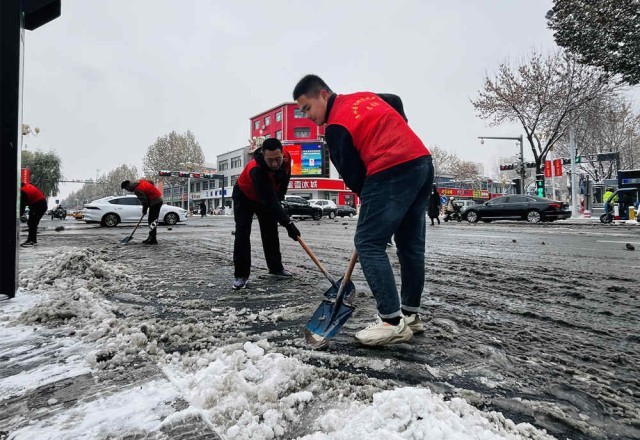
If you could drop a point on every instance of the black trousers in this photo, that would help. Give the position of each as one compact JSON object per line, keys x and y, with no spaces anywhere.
{"x":36,"y":212}
{"x":243,"y":211}
{"x":154,"y":213}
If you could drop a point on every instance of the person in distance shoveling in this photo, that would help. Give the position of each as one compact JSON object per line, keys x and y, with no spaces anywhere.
{"x":261,"y":186}
{"x":381,"y":159}
{"x":151,"y":199}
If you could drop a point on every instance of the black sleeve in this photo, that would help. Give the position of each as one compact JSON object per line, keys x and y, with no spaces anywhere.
{"x":345,"y":157}
{"x":268,"y":196}
{"x":395,"y":102}
{"x":283,"y":179}
{"x":23,"y":202}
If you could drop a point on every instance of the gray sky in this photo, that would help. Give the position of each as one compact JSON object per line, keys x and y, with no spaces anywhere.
{"x":107,"y":78}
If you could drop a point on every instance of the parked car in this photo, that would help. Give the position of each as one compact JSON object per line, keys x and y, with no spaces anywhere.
{"x":464,"y":204}
{"x":328,"y":207}
{"x":296,"y":206}
{"x":345,"y":211}
{"x":518,"y":207}
{"x":109,"y":211}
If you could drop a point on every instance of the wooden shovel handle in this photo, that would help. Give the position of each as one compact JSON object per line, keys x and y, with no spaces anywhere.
{"x":315,"y":260}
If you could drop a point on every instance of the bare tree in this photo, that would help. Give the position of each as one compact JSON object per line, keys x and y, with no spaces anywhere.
{"x":442,"y":161}
{"x":171,"y":152}
{"x":607,"y":125}
{"x":543,"y":94}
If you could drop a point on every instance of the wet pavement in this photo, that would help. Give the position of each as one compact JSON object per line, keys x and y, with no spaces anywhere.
{"x":539,"y":322}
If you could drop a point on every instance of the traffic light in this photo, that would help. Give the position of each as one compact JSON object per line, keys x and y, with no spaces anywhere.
{"x":516,"y":185}
{"x":578,"y":159}
{"x":164,"y":173}
{"x":540,"y":185}
{"x":508,"y":167}
{"x":530,"y":164}
{"x":566,"y":161}
{"x":184,"y":174}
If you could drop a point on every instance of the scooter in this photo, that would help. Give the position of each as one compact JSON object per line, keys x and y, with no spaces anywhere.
{"x":59,"y":212}
{"x":456,"y":214}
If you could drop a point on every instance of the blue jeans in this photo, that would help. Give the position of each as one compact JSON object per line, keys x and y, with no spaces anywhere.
{"x":394,"y":202}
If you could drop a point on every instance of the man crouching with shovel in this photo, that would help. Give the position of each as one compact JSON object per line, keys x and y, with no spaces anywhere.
{"x":383,"y":160}
{"x":151,"y":199}
{"x":259,"y":190}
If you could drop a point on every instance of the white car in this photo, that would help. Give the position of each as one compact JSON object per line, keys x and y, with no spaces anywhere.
{"x":329,"y":208}
{"x":109,"y":211}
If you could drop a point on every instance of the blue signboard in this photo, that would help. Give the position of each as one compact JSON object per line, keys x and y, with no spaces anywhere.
{"x":311,"y":159}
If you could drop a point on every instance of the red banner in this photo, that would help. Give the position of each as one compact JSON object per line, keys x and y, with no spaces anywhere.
{"x":25,"y":175}
{"x":547,"y":168}
{"x":557,"y":167}
{"x":321,"y":184}
{"x":470,"y":193}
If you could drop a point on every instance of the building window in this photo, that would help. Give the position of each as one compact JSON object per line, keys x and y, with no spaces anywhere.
{"x":205,"y":185}
{"x":223,"y":165}
{"x":267,"y":121}
{"x":234,"y":179}
{"x":267,"y":136}
{"x":279,"y":116}
{"x":256,"y":125}
{"x":297,"y":113}
{"x":301,"y":132}
{"x":236,"y":162}
{"x":279,"y":134}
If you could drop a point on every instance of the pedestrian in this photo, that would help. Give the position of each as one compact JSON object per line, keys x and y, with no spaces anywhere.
{"x":35,"y":199}
{"x":434,"y":205}
{"x":203,"y":209}
{"x":151,"y":199}
{"x":382,"y":160}
{"x":259,"y":190}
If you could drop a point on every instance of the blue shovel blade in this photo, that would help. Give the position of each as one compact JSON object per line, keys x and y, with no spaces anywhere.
{"x":333,"y":291}
{"x":326,"y":322}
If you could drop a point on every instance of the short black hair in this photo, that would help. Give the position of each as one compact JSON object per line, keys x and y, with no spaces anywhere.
{"x":310,"y":85}
{"x":124,"y":184}
{"x":271,"y":144}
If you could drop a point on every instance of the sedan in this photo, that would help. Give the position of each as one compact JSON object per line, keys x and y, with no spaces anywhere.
{"x":518,"y":207}
{"x":328,"y":207}
{"x":109,"y":211}
{"x":296,"y":206}
{"x":345,"y":211}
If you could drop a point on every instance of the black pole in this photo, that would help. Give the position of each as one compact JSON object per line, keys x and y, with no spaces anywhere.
{"x":222,"y":192}
{"x":10,"y":32}
{"x":15,"y":17}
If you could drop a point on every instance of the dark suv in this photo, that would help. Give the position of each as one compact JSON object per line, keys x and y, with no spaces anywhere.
{"x":296,"y":206}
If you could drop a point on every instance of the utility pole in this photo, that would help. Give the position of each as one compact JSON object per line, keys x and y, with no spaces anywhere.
{"x":574,"y":190}
{"x":522,"y":168}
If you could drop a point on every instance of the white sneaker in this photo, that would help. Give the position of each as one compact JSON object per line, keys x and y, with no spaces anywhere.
{"x":414,"y":323}
{"x":382,"y":333}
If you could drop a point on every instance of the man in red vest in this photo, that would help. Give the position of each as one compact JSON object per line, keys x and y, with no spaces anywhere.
{"x":37,"y":202}
{"x":259,"y":190}
{"x":383,"y":160}
{"x":151,"y":199}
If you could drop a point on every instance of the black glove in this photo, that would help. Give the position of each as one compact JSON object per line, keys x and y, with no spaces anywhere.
{"x":144,"y":210}
{"x":293,"y":232}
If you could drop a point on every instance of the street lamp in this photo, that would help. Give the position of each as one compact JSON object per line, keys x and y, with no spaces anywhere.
{"x":519,"y":139}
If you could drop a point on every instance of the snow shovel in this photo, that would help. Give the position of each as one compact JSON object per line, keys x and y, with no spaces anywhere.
{"x":335,"y":285}
{"x":128,"y":239}
{"x":330,"y":316}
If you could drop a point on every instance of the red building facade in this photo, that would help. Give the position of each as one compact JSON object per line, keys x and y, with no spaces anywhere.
{"x":311,"y":173}
{"x":287,"y":123}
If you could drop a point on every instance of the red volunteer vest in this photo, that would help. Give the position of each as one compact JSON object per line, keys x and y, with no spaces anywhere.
{"x":149,"y":190}
{"x":246,"y":184}
{"x":380,"y":135}
{"x":33,"y":194}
